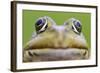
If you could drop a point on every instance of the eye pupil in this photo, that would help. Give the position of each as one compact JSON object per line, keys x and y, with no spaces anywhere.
{"x":78,"y":24}
{"x":39,"y":22}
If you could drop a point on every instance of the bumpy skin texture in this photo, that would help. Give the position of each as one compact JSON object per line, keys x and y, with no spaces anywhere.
{"x":53,"y":43}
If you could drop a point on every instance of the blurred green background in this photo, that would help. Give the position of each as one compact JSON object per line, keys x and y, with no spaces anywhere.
{"x":30,"y":17}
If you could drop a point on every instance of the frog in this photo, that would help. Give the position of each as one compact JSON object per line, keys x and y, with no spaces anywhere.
{"x":52,"y":42}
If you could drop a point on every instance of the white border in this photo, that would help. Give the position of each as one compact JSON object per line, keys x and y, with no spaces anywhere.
{"x":21,"y":65}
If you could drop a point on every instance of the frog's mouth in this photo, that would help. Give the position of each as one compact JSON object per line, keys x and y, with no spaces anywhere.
{"x":52,"y":54}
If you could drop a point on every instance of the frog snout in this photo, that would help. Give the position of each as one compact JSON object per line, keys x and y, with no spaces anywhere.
{"x":59,"y":40}
{"x":59,"y":36}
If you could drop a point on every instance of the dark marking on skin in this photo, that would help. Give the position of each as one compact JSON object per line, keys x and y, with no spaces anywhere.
{"x":30,"y":53}
{"x":85,"y":53}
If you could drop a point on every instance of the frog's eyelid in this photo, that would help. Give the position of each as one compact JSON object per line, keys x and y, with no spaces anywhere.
{"x":50,"y":19}
{"x":69,"y":20}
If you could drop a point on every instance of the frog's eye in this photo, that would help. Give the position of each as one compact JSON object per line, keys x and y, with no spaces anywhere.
{"x":77,"y":27}
{"x":41,"y":25}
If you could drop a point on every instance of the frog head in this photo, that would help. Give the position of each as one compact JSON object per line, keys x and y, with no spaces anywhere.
{"x":48,"y":35}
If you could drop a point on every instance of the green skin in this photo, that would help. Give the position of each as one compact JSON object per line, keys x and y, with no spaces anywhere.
{"x":56,"y":43}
